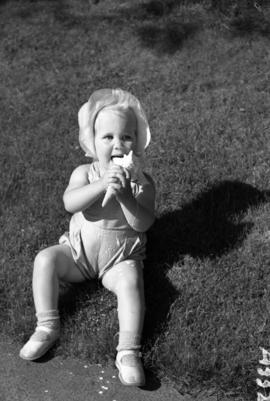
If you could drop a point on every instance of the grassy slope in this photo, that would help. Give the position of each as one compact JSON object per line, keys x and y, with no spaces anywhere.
{"x":206,"y":92}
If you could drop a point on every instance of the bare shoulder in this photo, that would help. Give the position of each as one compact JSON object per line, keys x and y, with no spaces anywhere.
{"x":82,"y":169}
{"x":79,"y":175}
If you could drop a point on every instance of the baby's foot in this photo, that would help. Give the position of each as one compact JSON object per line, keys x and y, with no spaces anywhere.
{"x":129,"y":364}
{"x":39,"y":343}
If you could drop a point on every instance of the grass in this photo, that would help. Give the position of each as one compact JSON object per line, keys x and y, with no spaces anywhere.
{"x":201,"y":72}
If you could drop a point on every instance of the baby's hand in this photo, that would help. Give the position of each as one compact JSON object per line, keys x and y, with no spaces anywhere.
{"x":119,"y":180}
{"x":118,"y":183}
{"x":130,"y":168}
{"x":125,"y":191}
{"x":109,"y":177}
{"x":120,"y":173}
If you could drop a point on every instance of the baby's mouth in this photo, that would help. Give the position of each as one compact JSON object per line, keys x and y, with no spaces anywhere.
{"x":116,"y":156}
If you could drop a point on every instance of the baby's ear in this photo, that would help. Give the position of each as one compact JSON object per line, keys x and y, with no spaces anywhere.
{"x":83,"y":115}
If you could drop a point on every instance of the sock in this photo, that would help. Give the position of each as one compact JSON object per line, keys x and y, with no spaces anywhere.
{"x":128,"y":340}
{"x":49,"y":319}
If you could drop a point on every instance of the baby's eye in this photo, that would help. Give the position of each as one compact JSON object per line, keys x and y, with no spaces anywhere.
{"x":108,"y":137}
{"x":127,"y":138}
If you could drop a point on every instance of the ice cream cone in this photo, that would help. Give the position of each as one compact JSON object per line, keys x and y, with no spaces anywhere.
{"x":131,"y":163}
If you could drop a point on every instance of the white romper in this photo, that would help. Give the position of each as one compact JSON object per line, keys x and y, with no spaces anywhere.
{"x":100,"y":237}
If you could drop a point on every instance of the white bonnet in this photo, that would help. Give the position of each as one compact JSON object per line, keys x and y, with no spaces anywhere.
{"x":110,"y":97}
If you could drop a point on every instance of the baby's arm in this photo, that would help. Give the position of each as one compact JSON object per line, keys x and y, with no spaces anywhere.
{"x":80,"y":194}
{"x":140,"y":211}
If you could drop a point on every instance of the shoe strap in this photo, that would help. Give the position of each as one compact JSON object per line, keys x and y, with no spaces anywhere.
{"x":125,"y":352}
{"x":43,"y":328}
{"x":40,"y":335}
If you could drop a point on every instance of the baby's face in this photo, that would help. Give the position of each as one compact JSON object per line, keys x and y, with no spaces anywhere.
{"x":115,"y":134}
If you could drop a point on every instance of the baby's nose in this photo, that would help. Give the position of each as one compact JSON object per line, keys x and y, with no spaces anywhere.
{"x":118,"y":143}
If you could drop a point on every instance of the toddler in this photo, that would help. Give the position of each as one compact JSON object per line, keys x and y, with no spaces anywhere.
{"x":104,"y":241}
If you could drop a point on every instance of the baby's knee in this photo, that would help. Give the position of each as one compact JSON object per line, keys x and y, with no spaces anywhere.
{"x":129,"y":281}
{"x":45,"y":259}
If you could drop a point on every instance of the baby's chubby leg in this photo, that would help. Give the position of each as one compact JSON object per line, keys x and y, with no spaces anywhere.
{"x":126,"y":281}
{"x":51,"y":265}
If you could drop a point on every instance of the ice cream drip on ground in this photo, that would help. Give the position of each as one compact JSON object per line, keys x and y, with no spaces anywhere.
{"x":265,"y":371}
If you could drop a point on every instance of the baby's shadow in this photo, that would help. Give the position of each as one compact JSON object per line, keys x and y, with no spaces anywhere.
{"x":74,"y":295}
{"x":206,"y":227}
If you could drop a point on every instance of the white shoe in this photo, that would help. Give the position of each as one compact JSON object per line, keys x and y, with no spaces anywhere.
{"x":130,"y":367}
{"x":39,"y":343}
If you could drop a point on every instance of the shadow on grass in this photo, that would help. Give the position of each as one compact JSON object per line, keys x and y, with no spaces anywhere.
{"x":73,"y":295}
{"x":250,"y":23}
{"x":167,"y":37}
{"x":246,"y":18}
{"x":154,"y":23}
{"x":161,"y":26}
{"x":207,"y":227}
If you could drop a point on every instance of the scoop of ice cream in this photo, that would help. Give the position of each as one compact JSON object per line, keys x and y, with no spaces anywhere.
{"x":132,"y":163}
